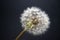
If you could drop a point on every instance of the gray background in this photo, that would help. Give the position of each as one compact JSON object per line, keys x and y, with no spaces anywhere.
{"x":11,"y":26}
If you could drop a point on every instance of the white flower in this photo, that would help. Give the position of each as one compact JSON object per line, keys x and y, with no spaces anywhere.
{"x":42,"y":17}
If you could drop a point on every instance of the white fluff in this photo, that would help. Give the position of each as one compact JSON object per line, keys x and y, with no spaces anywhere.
{"x":42,"y":17}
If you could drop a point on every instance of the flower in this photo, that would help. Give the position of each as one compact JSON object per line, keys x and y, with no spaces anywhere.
{"x":35,"y":20}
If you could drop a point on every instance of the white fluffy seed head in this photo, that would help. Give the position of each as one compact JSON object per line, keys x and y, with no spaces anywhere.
{"x":42,"y":17}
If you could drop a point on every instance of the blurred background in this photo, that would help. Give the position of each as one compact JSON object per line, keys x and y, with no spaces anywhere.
{"x":11,"y":13}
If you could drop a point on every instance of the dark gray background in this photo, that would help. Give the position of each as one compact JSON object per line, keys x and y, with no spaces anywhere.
{"x":11,"y":26}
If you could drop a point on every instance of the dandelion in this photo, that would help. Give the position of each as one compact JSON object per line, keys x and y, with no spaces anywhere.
{"x":35,"y":21}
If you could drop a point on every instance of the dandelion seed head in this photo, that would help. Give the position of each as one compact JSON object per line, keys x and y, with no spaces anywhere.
{"x":43,"y":20}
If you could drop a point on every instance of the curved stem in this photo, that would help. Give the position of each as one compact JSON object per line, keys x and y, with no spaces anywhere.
{"x":20,"y":34}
